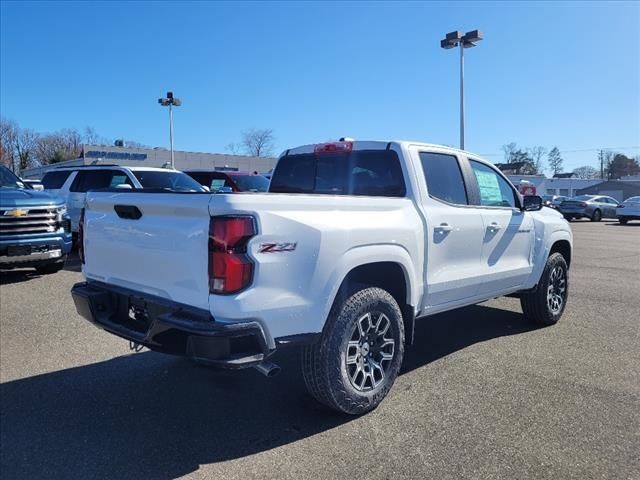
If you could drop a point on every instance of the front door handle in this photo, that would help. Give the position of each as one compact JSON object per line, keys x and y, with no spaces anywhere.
{"x":494,"y":227}
{"x":443,"y":228}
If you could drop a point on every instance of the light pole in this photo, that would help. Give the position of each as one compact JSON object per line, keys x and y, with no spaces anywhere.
{"x":468,"y":40}
{"x":170,"y":101}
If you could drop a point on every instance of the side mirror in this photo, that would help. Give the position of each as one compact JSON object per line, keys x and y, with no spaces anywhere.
{"x":225,"y":190}
{"x":124,"y":186}
{"x":38,"y":187}
{"x":531,"y":203}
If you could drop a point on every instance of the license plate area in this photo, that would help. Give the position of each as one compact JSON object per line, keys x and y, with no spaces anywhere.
{"x":18,"y":250}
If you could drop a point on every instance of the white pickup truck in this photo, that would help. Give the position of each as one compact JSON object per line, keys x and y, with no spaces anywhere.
{"x":352,"y":244}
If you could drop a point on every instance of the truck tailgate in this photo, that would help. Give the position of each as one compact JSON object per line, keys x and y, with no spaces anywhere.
{"x":163,"y":252}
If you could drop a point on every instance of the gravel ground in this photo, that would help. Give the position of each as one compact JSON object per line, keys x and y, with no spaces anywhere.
{"x":483,"y":394}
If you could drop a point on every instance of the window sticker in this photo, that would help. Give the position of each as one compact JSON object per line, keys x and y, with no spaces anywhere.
{"x":489,"y":188}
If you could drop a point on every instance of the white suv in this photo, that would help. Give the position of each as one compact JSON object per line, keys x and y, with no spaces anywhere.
{"x":73,"y":183}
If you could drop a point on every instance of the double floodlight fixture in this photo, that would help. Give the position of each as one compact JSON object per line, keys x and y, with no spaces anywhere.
{"x":170,"y":100}
{"x":468,"y":40}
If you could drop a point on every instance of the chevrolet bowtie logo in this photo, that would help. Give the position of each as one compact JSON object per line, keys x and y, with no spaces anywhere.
{"x":16,"y":212}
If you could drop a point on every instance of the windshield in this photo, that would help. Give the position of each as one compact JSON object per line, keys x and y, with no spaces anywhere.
{"x":175,"y":181}
{"x":8,"y":179}
{"x":251,"y":183}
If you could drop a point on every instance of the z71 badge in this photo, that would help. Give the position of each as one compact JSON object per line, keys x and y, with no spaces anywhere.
{"x":277,"y":247}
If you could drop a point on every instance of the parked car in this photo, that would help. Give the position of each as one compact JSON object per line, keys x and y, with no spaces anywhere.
{"x":553,"y":201}
{"x":628,"y":210}
{"x":35,"y":230}
{"x":593,"y":207}
{"x":236,"y":181}
{"x":353,"y":242}
{"x":73,"y":183}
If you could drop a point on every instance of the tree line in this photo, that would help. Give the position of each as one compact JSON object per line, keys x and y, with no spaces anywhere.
{"x":531,"y":161}
{"x":22,"y":148}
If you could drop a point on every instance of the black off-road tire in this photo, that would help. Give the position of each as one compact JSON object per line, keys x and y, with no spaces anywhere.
{"x":535,"y":305}
{"x":50,"y":268}
{"x":596,"y":216}
{"x":324,"y":366}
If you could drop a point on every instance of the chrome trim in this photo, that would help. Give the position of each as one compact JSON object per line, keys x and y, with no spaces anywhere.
{"x":51,"y":254}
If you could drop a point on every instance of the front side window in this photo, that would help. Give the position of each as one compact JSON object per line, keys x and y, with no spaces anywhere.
{"x":495,"y":191}
{"x":169,"y":180}
{"x":444,"y":178}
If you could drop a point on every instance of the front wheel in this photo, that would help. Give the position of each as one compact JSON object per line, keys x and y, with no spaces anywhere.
{"x":544,"y":305}
{"x":596,"y":216}
{"x":623,"y":221}
{"x":353,"y":367}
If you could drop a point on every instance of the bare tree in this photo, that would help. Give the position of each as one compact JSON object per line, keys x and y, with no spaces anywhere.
{"x":8,"y":131}
{"x":587,"y":172}
{"x":91,"y":136}
{"x":554,"y":160}
{"x":536,"y":154}
{"x":509,"y":149}
{"x":25,"y":148}
{"x":258,"y":143}
{"x":233,"y":148}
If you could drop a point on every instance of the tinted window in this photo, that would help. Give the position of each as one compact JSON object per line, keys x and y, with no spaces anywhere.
{"x":495,"y":191}
{"x":169,"y":180}
{"x":251,"y":183}
{"x":55,"y":180}
{"x":444,"y":178}
{"x":214,"y":181}
{"x":362,"y":172}
{"x":98,"y":179}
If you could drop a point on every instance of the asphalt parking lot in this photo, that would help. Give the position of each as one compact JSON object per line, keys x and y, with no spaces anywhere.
{"x":483,"y":394}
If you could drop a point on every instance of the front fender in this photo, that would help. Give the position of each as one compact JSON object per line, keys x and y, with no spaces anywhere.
{"x":544,"y":243}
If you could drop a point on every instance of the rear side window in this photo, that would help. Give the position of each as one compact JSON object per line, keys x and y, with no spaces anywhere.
{"x":444,"y":177}
{"x":98,"y":179}
{"x":55,"y":180}
{"x":362,"y":172}
{"x":251,"y":183}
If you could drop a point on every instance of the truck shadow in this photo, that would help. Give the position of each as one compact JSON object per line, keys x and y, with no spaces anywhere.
{"x":148,"y":415}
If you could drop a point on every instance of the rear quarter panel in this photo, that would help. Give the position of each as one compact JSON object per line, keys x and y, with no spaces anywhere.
{"x":293,"y":291}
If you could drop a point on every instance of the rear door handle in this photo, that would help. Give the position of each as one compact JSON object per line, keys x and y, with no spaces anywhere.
{"x":494,"y":227}
{"x":443,"y":227}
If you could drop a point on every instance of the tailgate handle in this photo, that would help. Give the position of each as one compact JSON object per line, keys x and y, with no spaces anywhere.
{"x":130,"y":212}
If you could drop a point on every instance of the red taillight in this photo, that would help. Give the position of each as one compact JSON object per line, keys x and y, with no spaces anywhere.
{"x":333,"y":147}
{"x":81,"y":236}
{"x":230,"y":269}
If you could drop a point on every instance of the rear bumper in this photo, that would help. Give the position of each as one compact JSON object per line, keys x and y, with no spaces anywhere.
{"x":41,"y":249}
{"x":169,"y":327}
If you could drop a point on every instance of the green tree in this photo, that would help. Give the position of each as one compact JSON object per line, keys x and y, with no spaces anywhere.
{"x":554,"y":160}
{"x":622,"y":165}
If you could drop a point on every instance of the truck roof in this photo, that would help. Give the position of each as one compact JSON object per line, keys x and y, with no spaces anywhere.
{"x":382,"y":145}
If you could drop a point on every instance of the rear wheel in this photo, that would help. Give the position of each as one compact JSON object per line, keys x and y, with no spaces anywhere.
{"x":544,"y":305}
{"x":356,"y":362}
{"x":596,"y":216}
{"x":623,"y":221}
{"x":568,"y":218}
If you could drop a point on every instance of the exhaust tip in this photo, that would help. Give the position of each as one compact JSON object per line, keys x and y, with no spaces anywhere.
{"x":268,"y":369}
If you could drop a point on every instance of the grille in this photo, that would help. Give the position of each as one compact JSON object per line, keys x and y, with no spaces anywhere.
{"x":37,"y":220}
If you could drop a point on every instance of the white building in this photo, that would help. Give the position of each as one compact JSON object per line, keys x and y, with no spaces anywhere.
{"x":566,"y":187}
{"x":158,"y":157}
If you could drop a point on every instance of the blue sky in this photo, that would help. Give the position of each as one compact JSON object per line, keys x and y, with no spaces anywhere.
{"x":556,"y":73}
